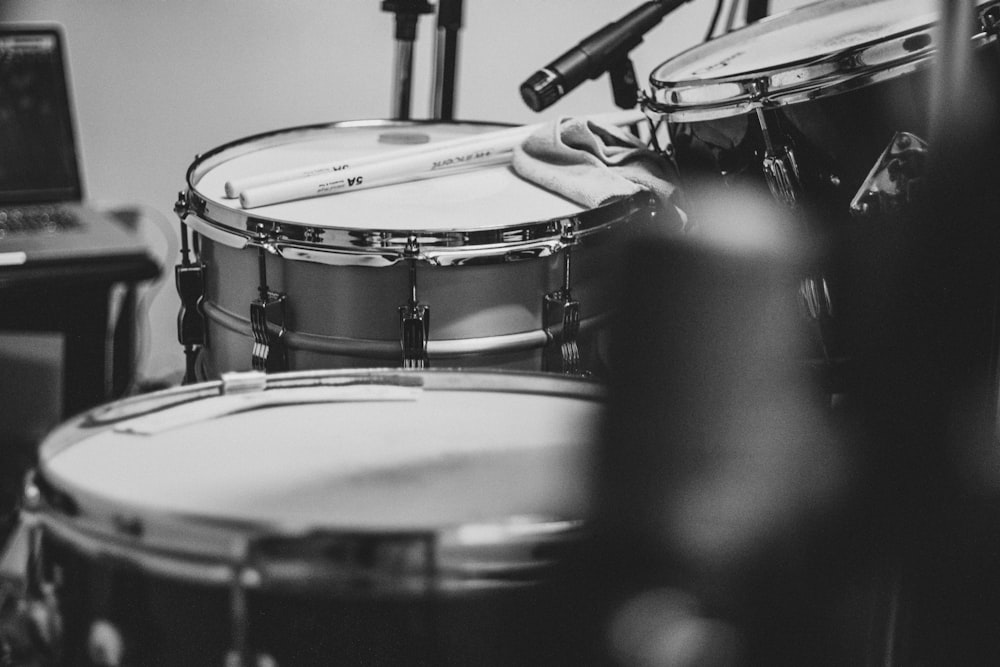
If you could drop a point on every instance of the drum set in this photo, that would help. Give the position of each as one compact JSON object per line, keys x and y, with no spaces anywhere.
{"x":392,"y":396}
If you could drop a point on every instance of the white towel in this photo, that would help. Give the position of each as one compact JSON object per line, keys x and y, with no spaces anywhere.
{"x":592,"y":163}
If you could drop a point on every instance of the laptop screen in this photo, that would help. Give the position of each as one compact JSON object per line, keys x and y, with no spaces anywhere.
{"x":37,"y":150}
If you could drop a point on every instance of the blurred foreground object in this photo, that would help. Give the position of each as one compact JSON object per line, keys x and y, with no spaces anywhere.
{"x":765,"y":531}
{"x":718,"y":473}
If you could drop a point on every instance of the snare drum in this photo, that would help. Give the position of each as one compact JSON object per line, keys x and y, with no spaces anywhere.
{"x":475,"y":269}
{"x":321,"y":517}
{"x":826,"y":104}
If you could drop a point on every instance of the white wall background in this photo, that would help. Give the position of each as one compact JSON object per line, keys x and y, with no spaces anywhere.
{"x":158,"y":81}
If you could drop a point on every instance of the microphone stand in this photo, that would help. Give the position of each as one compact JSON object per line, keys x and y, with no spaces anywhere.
{"x":449,"y":22}
{"x":756,"y":10}
{"x":407,"y":12}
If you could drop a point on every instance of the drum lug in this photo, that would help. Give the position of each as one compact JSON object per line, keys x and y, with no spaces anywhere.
{"x":782,"y":173}
{"x":267,"y":321}
{"x":893,"y":184}
{"x":562,"y":325}
{"x":781,"y":169}
{"x":414,"y":328}
{"x":815,"y":295}
{"x":562,"y":317}
{"x":414,"y":317}
{"x":267,"y":318}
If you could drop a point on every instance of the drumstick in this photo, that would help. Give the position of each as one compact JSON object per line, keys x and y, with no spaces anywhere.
{"x":436,"y":159}
{"x":237,"y":185}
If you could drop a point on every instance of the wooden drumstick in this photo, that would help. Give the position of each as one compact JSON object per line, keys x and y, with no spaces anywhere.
{"x":236,"y":186}
{"x":424,"y":162}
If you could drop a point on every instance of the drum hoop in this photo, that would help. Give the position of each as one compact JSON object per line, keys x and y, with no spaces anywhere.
{"x":194,"y":547}
{"x":382,"y":247}
{"x":693,"y":100}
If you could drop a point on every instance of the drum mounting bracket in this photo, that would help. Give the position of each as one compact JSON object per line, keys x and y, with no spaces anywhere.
{"x":894,"y":182}
{"x":189,"y":279}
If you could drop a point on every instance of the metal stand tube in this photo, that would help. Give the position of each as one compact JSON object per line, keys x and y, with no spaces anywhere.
{"x":407,"y":12}
{"x":446,"y":59}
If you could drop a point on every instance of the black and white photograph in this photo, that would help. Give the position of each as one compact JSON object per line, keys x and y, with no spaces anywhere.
{"x":660,"y":333}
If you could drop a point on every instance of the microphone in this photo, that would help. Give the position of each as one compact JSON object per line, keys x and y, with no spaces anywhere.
{"x":594,"y":55}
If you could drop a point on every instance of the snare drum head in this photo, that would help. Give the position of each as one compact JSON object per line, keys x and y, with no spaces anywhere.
{"x":819,"y":49}
{"x":348,"y":451}
{"x":484,"y":198}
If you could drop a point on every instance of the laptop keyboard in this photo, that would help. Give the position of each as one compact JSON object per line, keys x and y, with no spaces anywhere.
{"x":33,"y":220}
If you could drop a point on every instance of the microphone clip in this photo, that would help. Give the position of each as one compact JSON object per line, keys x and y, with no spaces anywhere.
{"x":624,"y":84}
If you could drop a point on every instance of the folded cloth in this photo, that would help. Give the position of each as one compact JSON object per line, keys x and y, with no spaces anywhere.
{"x":592,"y":163}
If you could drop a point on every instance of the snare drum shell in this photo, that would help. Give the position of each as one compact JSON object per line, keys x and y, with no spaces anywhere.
{"x":350,"y":314}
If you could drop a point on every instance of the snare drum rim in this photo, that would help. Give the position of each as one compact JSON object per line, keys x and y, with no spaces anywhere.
{"x":379,"y":247}
{"x":210,"y":550}
{"x":710,"y":98}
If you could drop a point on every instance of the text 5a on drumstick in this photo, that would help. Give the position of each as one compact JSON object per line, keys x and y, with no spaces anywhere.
{"x":457,"y":163}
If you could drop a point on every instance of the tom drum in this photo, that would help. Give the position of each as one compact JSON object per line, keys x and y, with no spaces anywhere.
{"x":812,"y":102}
{"x":320,"y":517}
{"x":827,"y":108}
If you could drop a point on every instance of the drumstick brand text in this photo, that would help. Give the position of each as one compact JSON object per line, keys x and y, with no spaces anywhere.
{"x":460,"y":159}
{"x":326,"y":170}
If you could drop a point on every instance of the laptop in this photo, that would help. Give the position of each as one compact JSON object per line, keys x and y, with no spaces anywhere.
{"x":44,"y":220}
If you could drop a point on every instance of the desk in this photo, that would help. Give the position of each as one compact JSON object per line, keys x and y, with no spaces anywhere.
{"x":73,"y":299}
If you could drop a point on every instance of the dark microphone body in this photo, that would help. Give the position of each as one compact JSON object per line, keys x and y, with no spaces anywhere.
{"x":594,"y":55}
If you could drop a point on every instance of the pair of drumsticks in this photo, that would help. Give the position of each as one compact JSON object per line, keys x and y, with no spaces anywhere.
{"x":425,"y":161}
